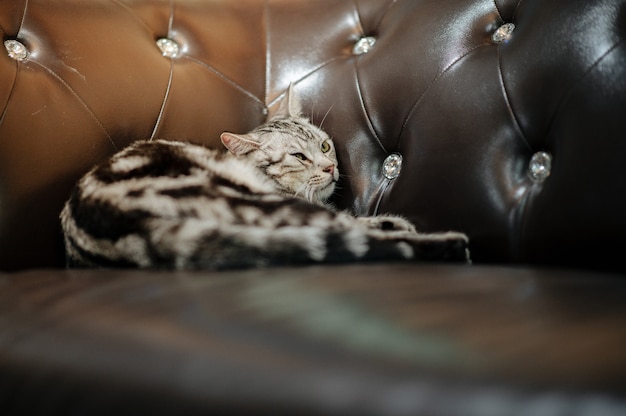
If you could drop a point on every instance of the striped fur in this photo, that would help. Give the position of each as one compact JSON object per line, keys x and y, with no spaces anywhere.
{"x":165,"y":204}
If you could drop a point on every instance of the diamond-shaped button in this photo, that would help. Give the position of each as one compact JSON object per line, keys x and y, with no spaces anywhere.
{"x":16,"y":50}
{"x":503,"y":33}
{"x":540,"y":166}
{"x":364,"y":45}
{"x":169,"y":48}
{"x":392,"y":166}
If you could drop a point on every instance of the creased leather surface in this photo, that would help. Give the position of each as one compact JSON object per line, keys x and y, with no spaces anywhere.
{"x":466,"y":114}
{"x":362,"y":340}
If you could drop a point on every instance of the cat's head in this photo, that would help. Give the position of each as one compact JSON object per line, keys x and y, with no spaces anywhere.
{"x":296,"y":155}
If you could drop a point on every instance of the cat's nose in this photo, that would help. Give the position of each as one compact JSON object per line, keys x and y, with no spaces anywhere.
{"x":330,"y":169}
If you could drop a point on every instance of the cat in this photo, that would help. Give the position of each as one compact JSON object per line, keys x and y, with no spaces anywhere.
{"x":260,"y":202}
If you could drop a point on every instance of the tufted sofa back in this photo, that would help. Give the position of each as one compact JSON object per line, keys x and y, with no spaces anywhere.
{"x":505,"y":119}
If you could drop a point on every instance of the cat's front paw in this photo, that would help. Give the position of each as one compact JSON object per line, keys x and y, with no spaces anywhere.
{"x":388,"y":223}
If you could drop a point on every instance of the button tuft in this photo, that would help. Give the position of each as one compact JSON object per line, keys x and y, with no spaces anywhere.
{"x":16,"y":50}
{"x":364,"y":45}
{"x":540,"y":166}
{"x":392,"y":166}
{"x":168,"y":47}
{"x":503,"y":33}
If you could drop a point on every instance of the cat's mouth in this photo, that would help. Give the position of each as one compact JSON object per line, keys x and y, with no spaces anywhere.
{"x":324,"y":192}
{"x":322,"y":182}
{"x":317,"y":189}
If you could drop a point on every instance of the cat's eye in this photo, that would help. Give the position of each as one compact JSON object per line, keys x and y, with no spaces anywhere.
{"x":325,"y":147}
{"x":299,"y":156}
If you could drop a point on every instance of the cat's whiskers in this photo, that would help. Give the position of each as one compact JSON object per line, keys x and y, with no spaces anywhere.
{"x":310,"y":192}
{"x":301,"y":191}
{"x":311,"y":188}
{"x":338,"y":187}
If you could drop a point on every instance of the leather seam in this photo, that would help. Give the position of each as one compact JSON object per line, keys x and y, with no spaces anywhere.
{"x":26,"y":3}
{"x":382,"y":190}
{"x":519,"y":2}
{"x":305,"y":76}
{"x":509,"y":106}
{"x":134,"y":15}
{"x":268,"y":53}
{"x":82,"y":102}
{"x":390,"y":6}
{"x":17,"y":66}
{"x":368,"y":118}
{"x":578,"y":82}
{"x":10,"y":95}
{"x":432,"y":83}
{"x":164,"y":103}
{"x":170,"y":23}
{"x":358,"y":19}
{"x":495,"y":3}
{"x":224,"y":78}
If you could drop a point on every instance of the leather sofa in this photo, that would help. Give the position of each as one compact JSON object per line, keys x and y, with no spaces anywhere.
{"x":504,"y":119}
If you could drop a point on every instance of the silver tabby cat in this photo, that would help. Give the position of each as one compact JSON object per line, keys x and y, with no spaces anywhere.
{"x":166,"y":204}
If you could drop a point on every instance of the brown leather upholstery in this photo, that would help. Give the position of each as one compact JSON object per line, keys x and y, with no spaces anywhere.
{"x":357,"y":340}
{"x":465,"y":113}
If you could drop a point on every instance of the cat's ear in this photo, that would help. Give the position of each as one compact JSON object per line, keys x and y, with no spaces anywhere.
{"x":290,"y":106}
{"x":240,"y":144}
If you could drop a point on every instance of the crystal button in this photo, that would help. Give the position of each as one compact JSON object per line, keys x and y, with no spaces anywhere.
{"x":503,"y":33}
{"x":169,"y":48}
{"x":16,"y":50}
{"x":540,"y":166}
{"x":392,"y":166}
{"x":363,"y":45}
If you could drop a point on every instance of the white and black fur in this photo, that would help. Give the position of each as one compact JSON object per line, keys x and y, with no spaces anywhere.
{"x":173,"y":205}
